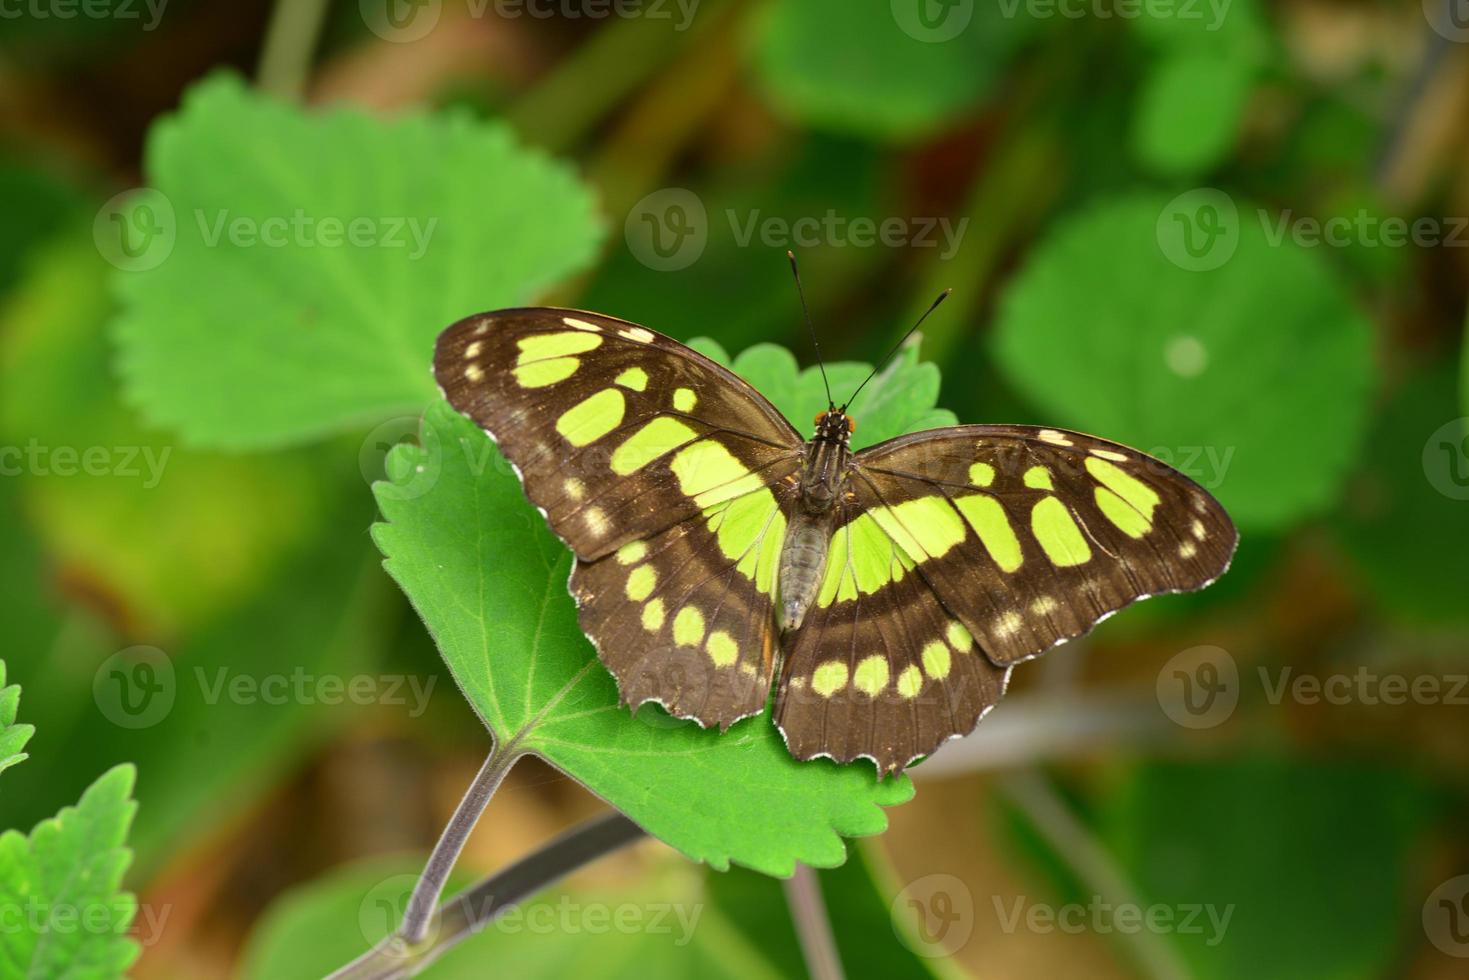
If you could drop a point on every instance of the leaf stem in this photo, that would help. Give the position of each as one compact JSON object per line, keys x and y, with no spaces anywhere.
{"x":290,"y":40}
{"x":425,"y":898}
{"x":472,"y":910}
{"x":813,"y":925}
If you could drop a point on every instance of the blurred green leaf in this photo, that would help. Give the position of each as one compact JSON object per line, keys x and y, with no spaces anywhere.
{"x":59,"y":887}
{"x":169,"y":536}
{"x":219,"y":716}
{"x":737,"y":284}
{"x":1310,"y":860}
{"x":13,"y":737}
{"x":489,"y":580}
{"x":37,"y":206}
{"x":883,"y":70}
{"x":1189,"y":111}
{"x":1412,"y":488}
{"x":314,"y":257}
{"x":1252,"y":374}
{"x":661,"y":928}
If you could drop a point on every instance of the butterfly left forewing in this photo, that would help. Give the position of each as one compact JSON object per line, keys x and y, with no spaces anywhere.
{"x":591,"y":410}
{"x":668,"y":476}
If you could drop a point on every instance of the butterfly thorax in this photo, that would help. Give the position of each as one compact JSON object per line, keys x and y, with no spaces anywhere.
{"x":808,"y":536}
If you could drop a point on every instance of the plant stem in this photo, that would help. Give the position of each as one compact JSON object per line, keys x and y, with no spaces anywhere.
{"x":1053,"y":819}
{"x":290,"y":41}
{"x":425,"y":898}
{"x":813,"y":925}
{"x":471,"y":911}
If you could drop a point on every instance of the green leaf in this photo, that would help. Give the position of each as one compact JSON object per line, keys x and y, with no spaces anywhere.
{"x":668,"y":930}
{"x":1412,"y":488}
{"x":1189,"y":111}
{"x":1322,"y":846}
{"x":61,"y":886}
{"x":266,"y":323}
{"x":92,"y":476}
{"x":489,"y":580}
{"x":899,"y":399}
{"x":1244,"y":363}
{"x":13,"y":737}
{"x":882,"y":70}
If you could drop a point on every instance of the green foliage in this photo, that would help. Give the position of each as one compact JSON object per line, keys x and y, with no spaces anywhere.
{"x":98,"y":476}
{"x":13,"y":737}
{"x":489,"y":580}
{"x":858,"y":904}
{"x":874,"y":70}
{"x":59,"y":887}
{"x":285,"y":330}
{"x":1189,"y":111}
{"x":1413,"y":487}
{"x":898,"y":400}
{"x":1254,"y":377}
{"x":669,"y":931}
{"x":1320,"y":845}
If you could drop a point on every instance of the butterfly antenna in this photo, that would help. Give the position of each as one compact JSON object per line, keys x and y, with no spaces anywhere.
{"x":806,"y":311}
{"x":898,"y":346}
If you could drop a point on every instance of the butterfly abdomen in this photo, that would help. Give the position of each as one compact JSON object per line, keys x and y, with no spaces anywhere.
{"x":802,"y":564}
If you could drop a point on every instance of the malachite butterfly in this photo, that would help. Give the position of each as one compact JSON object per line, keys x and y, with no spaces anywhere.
{"x":885,"y":594}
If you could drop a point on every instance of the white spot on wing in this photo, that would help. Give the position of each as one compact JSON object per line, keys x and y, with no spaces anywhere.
{"x":637,"y":333}
{"x":572,"y":321}
{"x":1054,"y":437}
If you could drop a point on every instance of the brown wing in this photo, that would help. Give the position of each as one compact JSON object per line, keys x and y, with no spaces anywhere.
{"x":965,"y":550}
{"x":1059,"y":529}
{"x":592,"y":410}
{"x":662,"y":471}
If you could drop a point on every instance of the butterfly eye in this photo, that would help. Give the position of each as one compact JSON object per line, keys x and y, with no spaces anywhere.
{"x":851,"y":424}
{"x":819,"y":417}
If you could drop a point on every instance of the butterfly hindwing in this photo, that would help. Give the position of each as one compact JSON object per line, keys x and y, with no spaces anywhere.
{"x":888,"y":675}
{"x":666,"y":475}
{"x":684,"y":618}
{"x":963,"y":551}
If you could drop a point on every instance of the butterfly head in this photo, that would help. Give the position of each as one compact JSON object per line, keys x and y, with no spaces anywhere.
{"x":835,"y":425}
